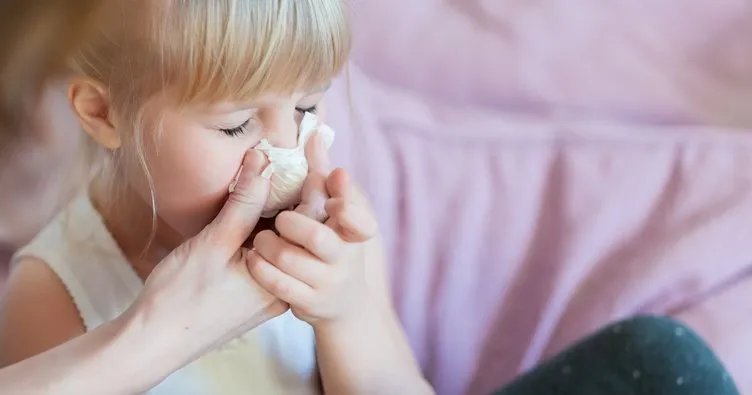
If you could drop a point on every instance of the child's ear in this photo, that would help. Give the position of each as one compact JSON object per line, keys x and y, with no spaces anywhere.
{"x":91,"y":103}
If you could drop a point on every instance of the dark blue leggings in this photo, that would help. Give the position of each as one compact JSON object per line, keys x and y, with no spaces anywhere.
{"x":640,"y":356}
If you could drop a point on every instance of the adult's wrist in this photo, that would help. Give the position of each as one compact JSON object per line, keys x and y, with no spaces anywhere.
{"x":153,"y":346}
{"x":115,"y":359}
{"x":144,"y":352}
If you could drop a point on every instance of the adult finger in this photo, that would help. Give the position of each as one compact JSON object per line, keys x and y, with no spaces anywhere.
{"x":243,"y":208}
{"x":321,"y":241}
{"x":313,"y":196}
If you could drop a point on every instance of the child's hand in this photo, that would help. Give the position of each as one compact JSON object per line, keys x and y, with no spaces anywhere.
{"x":314,"y":194}
{"x":318,"y":268}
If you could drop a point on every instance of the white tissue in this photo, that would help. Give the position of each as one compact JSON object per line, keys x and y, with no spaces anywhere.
{"x":288,"y":167}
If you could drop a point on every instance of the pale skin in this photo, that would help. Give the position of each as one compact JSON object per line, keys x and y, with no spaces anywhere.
{"x":180,"y":310}
{"x":361,"y":347}
{"x":333,"y":275}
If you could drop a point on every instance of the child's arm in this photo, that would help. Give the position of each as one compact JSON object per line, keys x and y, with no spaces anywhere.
{"x":42,"y":350}
{"x":37,"y":313}
{"x":334,"y":277}
{"x":369,"y":354}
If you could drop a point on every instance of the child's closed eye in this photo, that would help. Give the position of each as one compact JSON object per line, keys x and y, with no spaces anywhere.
{"x":243,"y":128}
{"x":309,"y":110}
{"x":238,"y":130}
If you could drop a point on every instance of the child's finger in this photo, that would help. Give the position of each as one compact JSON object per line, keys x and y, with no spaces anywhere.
{"x":315,"y":210}
{"x":314,"y":194}
{"x":353,"y":223}
{"x":320,"y":240}
{"x":335,"y":205}
{"x":278,"y":283}
{"x":338,"y":184}
{"x":291,"y":259}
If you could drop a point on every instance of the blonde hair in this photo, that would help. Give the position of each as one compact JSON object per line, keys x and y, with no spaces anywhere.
{"x":203,"y":51}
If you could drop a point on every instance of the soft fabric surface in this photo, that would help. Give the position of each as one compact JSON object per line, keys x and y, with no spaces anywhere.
{"x":661,"y":60}
{"x":510,"y":238}
{"x":533,"y":179}
{"x":543,"y":168}
{"x":640,"y":356}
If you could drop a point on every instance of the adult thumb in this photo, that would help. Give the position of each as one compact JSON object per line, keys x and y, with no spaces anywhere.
{"x":241,"y":213}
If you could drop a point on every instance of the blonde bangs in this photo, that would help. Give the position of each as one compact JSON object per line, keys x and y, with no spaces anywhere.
{"x":214,"y":50}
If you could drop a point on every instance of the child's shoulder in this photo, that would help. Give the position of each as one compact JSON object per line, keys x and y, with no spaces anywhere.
{"x":71,"y":277}
{"x":37,"y":312}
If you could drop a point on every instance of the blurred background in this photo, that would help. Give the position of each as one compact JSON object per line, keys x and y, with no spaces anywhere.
{"x":539,"y":168}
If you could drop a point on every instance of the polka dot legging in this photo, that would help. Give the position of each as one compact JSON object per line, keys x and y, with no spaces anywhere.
{"x":640,"y":356}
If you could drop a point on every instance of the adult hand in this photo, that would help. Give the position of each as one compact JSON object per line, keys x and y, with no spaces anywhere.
{"x":202,"y":293}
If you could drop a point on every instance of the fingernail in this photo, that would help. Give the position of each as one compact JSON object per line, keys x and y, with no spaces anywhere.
{"x":260,"y":164}
{"x":256,"y":164}
{"x":234,"y":182}
{"x":267,"y":172}
{"x":256,"y":161}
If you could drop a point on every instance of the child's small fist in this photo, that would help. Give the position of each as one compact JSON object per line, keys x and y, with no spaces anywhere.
{"x":318,"y":268}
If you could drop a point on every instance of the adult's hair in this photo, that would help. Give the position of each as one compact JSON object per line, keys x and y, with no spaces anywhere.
{"x":35,"y":37}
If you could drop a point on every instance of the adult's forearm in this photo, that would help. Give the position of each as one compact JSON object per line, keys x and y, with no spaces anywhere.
{"x":367,"y":355}
{"x":126,"y":356}
{"x":111,"y":359}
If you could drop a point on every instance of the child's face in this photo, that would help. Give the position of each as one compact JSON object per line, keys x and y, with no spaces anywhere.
{"x":197,"y":152}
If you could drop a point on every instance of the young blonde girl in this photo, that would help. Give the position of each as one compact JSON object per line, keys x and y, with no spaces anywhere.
{"x":174,"y":95}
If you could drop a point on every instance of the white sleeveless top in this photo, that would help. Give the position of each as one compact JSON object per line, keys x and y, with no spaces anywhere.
{"x":277,"y":357}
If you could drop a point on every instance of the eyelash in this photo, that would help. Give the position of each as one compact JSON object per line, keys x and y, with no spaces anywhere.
{"x":309,"y":110}
{"x":237,"y":131}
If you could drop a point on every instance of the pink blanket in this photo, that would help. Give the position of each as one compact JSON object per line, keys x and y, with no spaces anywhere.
{"x":658,"y":60}
{"x":541,"y":168}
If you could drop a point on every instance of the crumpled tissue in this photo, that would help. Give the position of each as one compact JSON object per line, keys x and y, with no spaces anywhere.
{"x":288,"y":167}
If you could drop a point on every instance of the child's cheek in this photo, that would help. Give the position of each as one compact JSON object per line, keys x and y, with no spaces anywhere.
{"x":193,"y":186}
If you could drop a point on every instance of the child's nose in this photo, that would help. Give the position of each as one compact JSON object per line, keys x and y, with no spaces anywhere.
{"x":282,"y":131}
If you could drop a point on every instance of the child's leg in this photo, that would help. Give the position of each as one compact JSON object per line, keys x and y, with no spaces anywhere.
{"x":640,"y":356}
